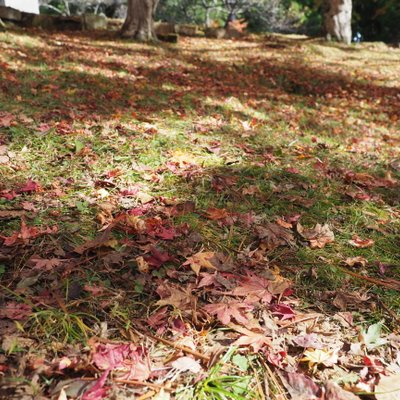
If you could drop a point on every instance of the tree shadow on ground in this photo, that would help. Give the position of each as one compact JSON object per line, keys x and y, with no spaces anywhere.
{"x":107,"y":86}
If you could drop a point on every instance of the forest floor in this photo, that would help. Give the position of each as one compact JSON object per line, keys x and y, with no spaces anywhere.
{"x":206,"y":220}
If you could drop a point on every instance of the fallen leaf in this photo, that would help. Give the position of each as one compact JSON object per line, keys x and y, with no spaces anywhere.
{"x":372,"y":336}
{"x":388,"y":388}
{"x":226,"y":311}
{"x":128,"y":360}
{"x":320,"y":356}
{"x":200,"y":260}
{"x":15,"y":311}
{"x":273,"y":235}
{"x":254,"y":286}
{"x":97,"y":391}
{"x":185,"y":363}
{"x":332,"y":391}
{"x":356,"y":241}
{"x":253,"y":339}
{"x":356,"y":261}
{"x":318,"y":237}
{"x":217,"y":213}
{"x":310,"y":340}
{"x":300,"y":386}
{"x":283,"y":310}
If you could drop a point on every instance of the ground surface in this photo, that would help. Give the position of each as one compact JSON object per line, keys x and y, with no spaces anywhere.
{"x":207,"y":220}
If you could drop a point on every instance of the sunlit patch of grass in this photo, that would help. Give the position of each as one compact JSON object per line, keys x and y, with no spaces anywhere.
{"x":221,"y":386}
{"x":60,"y":325}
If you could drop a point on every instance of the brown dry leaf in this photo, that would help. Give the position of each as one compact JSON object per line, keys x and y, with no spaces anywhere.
{"x":273,"y":235}
{"x":144,"y":198}
{"x":300,"y":386}
{"x":251,"y":190}
{"x":175,"y":296}
{"x":226,"y":311}
{"x":99,"y":241}
{"x":318,"y":237}
{"x":279,"y":285}
{"x":136,"y":223}
{"x":200,"y":260}
{"x":343,"y":300}
{"x":8,"y":214}
{"x":356,"y":261}
{"x":142,"y":264}
{"x":216,"y":214}
{"x":283,"y":223}
{"x":356,"y":241}
{"x":45,"y":264}
{"x":334,"y":392}
{"x":256,"y":340}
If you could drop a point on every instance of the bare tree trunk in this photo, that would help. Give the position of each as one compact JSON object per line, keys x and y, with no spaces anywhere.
{"x":207,"y":18}
{"x":139,"y":22}
{"x":337,"y":18}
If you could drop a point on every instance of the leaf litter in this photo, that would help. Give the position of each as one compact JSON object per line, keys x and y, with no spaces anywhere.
{"x":161,"y":251}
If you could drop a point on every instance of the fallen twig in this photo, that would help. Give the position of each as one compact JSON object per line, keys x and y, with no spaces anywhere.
{"x":395,"y":285}
{"x":179,"y":347}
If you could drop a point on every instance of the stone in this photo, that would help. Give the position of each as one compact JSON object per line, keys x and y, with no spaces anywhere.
{"x":94,"y":22}
{"x":42,"y":21}
{"x":188,"y":30}
{"x":216,"y":33}
{"x":10,"y":14}
{"x":164,"y":28}
{"x":50,"y":22}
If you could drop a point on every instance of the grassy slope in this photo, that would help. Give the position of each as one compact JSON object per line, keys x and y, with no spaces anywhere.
{"x":281,"y":121}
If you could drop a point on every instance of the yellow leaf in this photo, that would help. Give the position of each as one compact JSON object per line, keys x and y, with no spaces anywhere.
{"x":200,"y":260}
{"x":318,"y":356}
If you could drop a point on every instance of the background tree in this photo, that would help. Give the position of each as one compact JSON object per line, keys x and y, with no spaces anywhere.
{"x":337,"y":19}
{"x":139,"y":22}
{"x":374,"y":19}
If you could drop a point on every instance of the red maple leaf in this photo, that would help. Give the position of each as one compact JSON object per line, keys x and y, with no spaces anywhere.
{"x":226,"y":311}
{"x":155,"y":227}
{"x":158,"y":320}
{"x":254,"y":286}
{"x":130,"y":360}
{"x":157,"y":258}
{"x":29,"y":187}
{"x":282,"y":310}
{"x":256,"y":340}
{"x":15,"y":311}
{"x":9,"y":195}
{"x":6,"y":119}
{"x":26,"y":232}
{"x":98,"y":391}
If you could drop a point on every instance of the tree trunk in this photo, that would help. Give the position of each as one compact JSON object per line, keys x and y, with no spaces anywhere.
{"x":337,"y":17}
{"x":207,"y":18}
{"x":139,"y":22}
